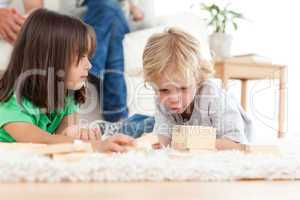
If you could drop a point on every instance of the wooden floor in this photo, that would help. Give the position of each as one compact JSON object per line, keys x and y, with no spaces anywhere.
{"x":143,"y":191}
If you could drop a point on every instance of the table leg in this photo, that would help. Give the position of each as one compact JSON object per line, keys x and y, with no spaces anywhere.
{"x":244,"y":92}
{"x":1,"y":73}
{"x":224,"y":78}
{"x":282,"y":95}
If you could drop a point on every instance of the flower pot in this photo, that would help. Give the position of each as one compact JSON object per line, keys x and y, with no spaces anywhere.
{"x":220,"y":45}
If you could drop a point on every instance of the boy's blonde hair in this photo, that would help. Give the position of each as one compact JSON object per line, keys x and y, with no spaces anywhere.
{"x":174,"y":48}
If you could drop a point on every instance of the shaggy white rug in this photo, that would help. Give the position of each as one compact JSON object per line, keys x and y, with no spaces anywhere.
{"x":162,"y":165}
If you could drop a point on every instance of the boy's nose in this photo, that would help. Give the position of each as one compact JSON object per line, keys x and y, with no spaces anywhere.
{"x":174,"y":98}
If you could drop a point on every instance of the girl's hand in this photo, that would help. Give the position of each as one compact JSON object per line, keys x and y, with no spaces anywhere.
{"x":116,"y":143}
{"x":89,"y":134}
{"x":83,"y":133}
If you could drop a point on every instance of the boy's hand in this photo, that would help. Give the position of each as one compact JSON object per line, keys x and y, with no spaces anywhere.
{"x":116,"y":143}
{"x":164,"y":140}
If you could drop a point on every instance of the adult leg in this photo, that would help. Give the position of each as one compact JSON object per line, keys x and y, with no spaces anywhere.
{"x":110,"y":25}
{"x":137,"y":125}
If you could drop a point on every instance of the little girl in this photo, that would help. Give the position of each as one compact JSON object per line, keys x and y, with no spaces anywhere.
{"x":174,"y":66}
{"x":45,"y":83}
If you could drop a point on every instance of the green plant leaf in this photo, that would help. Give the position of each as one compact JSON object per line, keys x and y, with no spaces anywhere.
{"x":215,"y":7}
{"x":236,"y":14}
{"x":235,"y":26}
{"x":205,"y":7}
{"x":212,"y":21}
{"x":220,"y":18}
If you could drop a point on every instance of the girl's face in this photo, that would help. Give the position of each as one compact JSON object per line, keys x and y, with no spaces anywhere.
{"x":78,"y":74}
{"x":174,"y":92}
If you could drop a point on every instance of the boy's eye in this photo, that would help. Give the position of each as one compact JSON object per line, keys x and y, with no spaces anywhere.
{"x":183,"y":88}
{"x":165,"y":91}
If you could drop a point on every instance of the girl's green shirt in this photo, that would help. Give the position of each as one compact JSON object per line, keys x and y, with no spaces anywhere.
{"x":11,"y":111}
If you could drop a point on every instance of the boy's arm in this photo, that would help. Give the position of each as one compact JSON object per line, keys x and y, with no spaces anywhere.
{"x":162,"y":127}
{"x":221,"y":144}
{"x":164,"y":140}
{"x":227,"y":144}
{"x":226,"y":116}
{"x":29,"y":5}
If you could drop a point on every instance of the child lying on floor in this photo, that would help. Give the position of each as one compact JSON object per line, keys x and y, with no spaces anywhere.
{"x":44,"y":84}
{"x":173,"y":65}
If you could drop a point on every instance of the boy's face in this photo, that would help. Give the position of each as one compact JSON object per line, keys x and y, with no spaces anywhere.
{"x":175,"y":92}
{"x":78,"y":73}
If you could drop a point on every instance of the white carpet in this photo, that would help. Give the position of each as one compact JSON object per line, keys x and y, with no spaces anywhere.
{"x":162,"y":165}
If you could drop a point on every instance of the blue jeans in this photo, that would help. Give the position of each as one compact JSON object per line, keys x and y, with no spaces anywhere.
{"x":110,"y":25}
{"x":137,"y":125}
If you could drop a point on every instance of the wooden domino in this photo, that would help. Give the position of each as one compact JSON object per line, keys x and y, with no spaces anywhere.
{"x":193,"y":138}
{"x":64,"y":148}
{"x":52,"y":149}
{"x":70,"y":157}
{"x":262,"y":149}
{"x":20,"y":146}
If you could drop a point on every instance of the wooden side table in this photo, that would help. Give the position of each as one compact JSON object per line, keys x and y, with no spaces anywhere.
{"x":248,"y":70}
{"x":1,"y":73}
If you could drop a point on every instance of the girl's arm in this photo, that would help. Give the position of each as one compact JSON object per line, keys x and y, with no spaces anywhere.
{"x":28,"y":133}
{"x":67,"y":121}
{"x":69,"y":126}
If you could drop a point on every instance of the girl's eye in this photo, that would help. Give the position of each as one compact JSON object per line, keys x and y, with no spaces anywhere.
{"x":82,"y":58}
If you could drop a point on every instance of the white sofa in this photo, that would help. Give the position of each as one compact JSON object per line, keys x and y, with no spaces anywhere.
{"x":5,"y":48}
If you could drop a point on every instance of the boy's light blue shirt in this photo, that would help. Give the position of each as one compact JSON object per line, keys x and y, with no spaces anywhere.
{"x":212,"y":107}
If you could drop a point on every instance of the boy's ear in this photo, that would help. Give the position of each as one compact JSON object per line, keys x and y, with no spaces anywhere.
{"x":151,"y":85}
{"x":199,"y":79}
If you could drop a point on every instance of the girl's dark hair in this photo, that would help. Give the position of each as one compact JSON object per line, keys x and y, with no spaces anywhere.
{"x":47,"y":45}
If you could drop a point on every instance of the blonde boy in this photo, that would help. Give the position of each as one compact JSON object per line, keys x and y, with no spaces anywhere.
{"x":173,"y":65}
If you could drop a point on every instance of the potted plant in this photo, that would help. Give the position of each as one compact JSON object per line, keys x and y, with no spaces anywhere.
{"x":221,"y":19}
